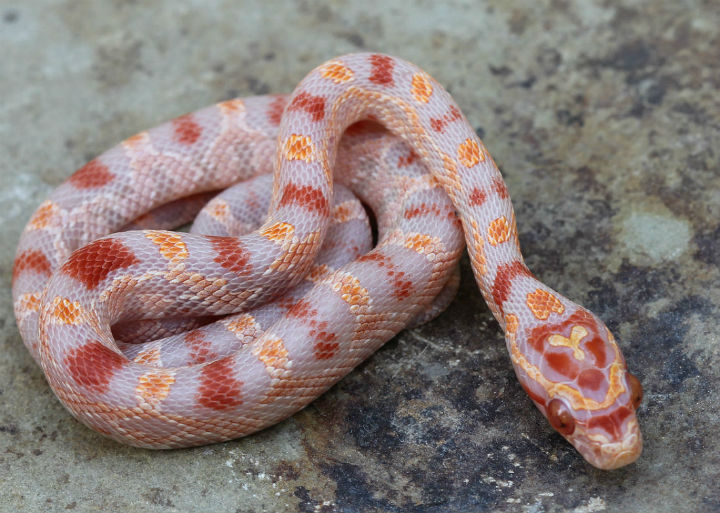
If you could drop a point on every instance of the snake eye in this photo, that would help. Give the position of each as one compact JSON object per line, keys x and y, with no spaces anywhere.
{"x":560,"y":417}
{"x":636,"y":390}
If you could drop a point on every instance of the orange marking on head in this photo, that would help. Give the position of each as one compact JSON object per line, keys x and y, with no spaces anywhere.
{"x":313,"y":105}
{"x":92,"y":175}
{"x":498,"y":231}
{"x":422,"y":87}
{"x":154,"y":386}
{"x":337,"y":72}
{"x":187,"y":130}
{"x":576,"y":335}
{"x":94,"y":262}
{"x":542,"y":303}
{"x":382,"y":70}
{"x":278,"y":232}
{"x":43,"y":215}
{"x":469,"y":153}
{"x":170,"y":244}
{"x":299,"y":147}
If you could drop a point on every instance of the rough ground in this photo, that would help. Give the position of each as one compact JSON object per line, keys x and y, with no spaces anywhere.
{"x":604,"y":117}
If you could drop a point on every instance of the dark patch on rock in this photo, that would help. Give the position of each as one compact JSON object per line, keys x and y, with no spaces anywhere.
{"x":158,"y":497}
{"x":354,"y":492}
{"x":678,"y":367}
{"x":706,"y":242}
{"x":10,"y":16}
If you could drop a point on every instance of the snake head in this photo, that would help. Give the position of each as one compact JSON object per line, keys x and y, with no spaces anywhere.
{"x":575,"y":373}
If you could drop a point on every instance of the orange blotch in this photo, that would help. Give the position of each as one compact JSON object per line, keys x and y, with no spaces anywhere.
{"x":302,"y":310}
{"x":337,"y":72}
{"x":42,"y":216}
{"x":186,"y":129}
{"x":305,"y":196}
{"x":511,"y":323}
{"x":499,"y":187}
{"x":234,"y":105}
{"x":94,"y":262}
{"x":469,"y":153}
{"x":31,"y":260}
{"x":421,"y":87}
{"x":65,"y":311}
{"x":299,"y":147}
{"x":154,"y":386}
{"x":401,"y":288}
{"x":199,"y":347}
{"x":92,"y":175}
{"x":439,"y":124}
{"x":218,"y":389}
{"x":278,"y":232}
{"x":506,"y":274}
{"x":272,"y":353}
{"x":170,"y":244}
{"x":422,"y":210}
{"x":498,"y":231}
{"x":231,"y":254}
{"x":326,"y":344}
{"x":477,"y":197}
{"x":276,"y":109}
{"x":313,"y":105}
{"x":541,"y":303}
{"x":382,"y":70}
{"x":404,"y":161}
{"x":93,"y":365}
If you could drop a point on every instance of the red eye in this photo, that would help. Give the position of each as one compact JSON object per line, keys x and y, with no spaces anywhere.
{"x":560,"y":417}
{"x":636,"y":391}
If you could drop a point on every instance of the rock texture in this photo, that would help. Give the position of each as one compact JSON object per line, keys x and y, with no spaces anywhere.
{"x":604,"y":117}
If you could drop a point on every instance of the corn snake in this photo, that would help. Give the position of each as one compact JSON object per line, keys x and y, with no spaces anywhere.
{"x":73,"y":284}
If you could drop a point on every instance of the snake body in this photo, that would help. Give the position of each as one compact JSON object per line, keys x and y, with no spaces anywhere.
{"x":428,"y":179}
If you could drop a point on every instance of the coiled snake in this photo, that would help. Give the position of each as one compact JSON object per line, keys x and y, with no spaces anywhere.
{"x":221,"y":363}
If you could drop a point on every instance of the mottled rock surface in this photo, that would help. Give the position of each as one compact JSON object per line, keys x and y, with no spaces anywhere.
{"x":604,"y":117}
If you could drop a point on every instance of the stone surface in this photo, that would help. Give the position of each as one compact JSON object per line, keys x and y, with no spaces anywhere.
{"x":604,"y":118}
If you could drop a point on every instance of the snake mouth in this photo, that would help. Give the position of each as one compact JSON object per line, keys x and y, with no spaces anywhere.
{"x":613,"y":455}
